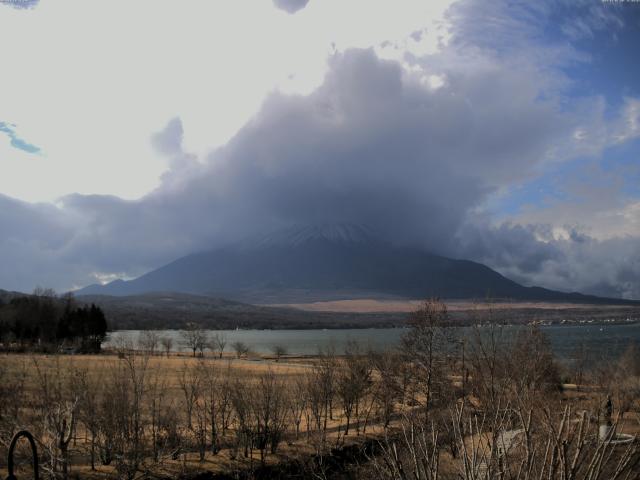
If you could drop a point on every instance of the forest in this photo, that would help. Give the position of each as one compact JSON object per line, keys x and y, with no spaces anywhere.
{"x":45,"y":322}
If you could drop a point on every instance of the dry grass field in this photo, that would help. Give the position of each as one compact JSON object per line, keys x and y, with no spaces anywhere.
{"x":169,"y":368}
{"x":168,"y":374}
{"x":372,"y":305}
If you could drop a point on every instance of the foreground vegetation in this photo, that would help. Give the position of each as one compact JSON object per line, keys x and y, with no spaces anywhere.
{"x":486,"y":407}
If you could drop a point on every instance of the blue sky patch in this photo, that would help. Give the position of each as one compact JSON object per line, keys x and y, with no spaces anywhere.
{"x":16,"y":141}
{"x":20,"y":4}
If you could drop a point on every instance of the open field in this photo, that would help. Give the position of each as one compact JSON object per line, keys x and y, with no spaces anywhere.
{"x":175,"y":381}
{"x":373,"y":305}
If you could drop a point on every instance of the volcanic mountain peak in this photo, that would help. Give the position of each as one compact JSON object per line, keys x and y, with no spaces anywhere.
{"x":298,"y":235}
{"x":327,"y":262}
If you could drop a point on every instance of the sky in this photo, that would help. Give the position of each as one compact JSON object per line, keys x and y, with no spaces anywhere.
{"x":501,"y":131}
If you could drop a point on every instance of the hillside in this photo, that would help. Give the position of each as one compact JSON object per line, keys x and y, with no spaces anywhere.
{"x":175,"y":310}
{"x":328,"y":263}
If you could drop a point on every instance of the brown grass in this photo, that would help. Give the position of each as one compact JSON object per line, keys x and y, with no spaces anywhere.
{"x":170,"y":368}
{"x":371,"y":305}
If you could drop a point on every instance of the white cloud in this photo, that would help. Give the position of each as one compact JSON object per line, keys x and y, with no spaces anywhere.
{"x":91,"y":83}
{"x":559,"y":258}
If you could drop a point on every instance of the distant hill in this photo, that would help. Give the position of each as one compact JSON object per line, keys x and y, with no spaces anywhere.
{"x":6,"y":296}
{"x":164,"y":310}
{"x":326,"y":263}
{"x":172,"y":310}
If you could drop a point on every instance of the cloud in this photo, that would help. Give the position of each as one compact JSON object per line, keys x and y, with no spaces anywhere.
{"x":32,"y":239}
{"x":559,"y":258}
{"x":371,"y":145}
{"x":586,"y":238}
{"x":169,"y":140}
{"x":290,"y":6}
{"x":597,"y":17}
{"x":93,"y":122}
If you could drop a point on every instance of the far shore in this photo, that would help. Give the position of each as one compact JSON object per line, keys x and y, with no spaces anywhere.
{"x":372,"y":305}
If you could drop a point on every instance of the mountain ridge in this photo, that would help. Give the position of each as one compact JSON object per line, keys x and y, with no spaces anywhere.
{"x":327,"y":261}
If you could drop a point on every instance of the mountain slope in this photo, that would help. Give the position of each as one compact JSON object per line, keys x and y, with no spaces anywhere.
{"x":328,"y":262}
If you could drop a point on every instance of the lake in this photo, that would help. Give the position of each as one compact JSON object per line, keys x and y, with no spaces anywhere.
{"x":599,"y":340}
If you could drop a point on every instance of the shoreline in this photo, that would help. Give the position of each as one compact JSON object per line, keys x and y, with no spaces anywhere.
{"x":397,"y":327}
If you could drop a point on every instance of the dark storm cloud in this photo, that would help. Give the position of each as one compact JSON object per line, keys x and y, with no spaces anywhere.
{"x":371,"y":146}
{"x":517,"y":247}
{"x":32,"y":237}
{"x":290,"y":6}
{"x":25,"y":222}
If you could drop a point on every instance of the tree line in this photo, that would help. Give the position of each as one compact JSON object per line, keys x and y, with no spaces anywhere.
{"x":45,"y":322}
{"x":195,"y":339}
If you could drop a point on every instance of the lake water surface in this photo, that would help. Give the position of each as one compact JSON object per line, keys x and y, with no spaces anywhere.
{"x":599,"y":340}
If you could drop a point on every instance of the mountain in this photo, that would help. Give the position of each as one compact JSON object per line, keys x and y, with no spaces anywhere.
{"x":326,"y":262}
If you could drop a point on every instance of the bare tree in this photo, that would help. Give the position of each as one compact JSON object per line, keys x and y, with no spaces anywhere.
{"x":488,"y":363}
{"x":42,"y":292}
{"x":268,"y":406}
{"x":531,"y":361}
{"x":279,"y":351}
{"x":215,"y":400}
{"x":89,"y":412}
{"x":225,"y":410}
{"x":630,"y":360}
{"x":426,"y":344}
{"x":124,"y":346}
{"x":624,"y":379}
{"x":190,"y":382}
{"x":202,"y":409}
{"x":12,"y":398}
{"x":108,"y":417}
{"x":127,"y":391}
{"x":580,"y":361}
{"x":241,"y":401}
{"x":316,"y":395}
{"x":58,"y":403}
{"x":353,"y":380}
{"x":387,"y":388}
{"x":492,"y":448}
{"x":194,"y":338}
{"x":240,"y":348}
{"x":167,"y":345}
{"x":158,"y":412}
{"x":148,"y":341}
{"x":298,"y":402}
{"x":219,"y":343}
{"x":321,"y":390}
